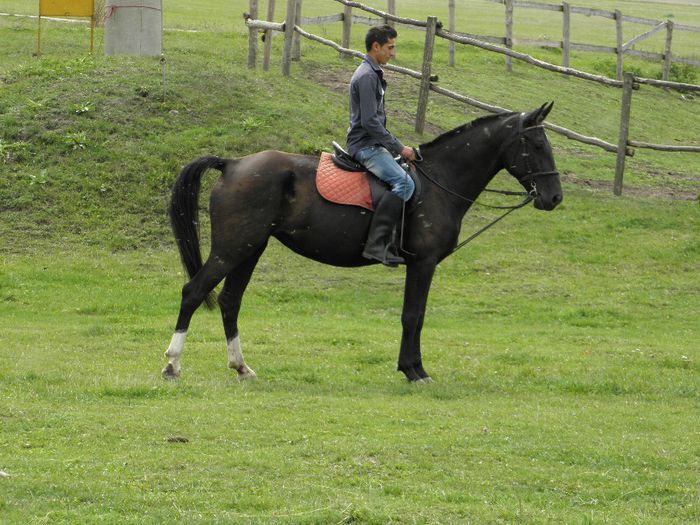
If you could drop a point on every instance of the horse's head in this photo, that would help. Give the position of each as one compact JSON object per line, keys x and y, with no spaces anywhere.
{"x":528,"y":156}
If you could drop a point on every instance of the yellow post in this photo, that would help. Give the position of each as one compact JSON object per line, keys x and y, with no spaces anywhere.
{"x":38,"y":38}
{"x":71,"y":8}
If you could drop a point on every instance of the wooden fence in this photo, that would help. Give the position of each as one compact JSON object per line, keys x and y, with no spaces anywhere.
{"x":621,"y":49}
{"x":433,"y":28}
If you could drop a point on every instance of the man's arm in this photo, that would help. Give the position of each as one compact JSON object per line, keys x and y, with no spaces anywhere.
{"x":366,"y":87}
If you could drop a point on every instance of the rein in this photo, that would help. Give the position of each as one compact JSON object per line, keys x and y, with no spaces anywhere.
{"x":530,"y":194}
{"x":529,"y":197}
{"x":511,"y":209}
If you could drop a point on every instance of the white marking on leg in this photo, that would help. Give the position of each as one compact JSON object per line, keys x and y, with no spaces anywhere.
{"x":174,"y":351}
{"x":235,"y":356}
{"x":235,"y":359}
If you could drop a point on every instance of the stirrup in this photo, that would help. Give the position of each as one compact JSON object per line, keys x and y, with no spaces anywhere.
{"x":388,"y":259}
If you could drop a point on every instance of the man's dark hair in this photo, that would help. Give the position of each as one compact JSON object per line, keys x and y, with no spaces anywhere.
{"x":379,"y":34}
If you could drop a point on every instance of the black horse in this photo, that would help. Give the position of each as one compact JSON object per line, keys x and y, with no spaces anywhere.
{"x":274,"y":194}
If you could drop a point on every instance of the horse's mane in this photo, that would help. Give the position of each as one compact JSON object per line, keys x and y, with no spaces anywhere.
{"x":466,"y":128}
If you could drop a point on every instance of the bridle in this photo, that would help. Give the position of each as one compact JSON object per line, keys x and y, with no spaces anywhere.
{"x":529,"y":176}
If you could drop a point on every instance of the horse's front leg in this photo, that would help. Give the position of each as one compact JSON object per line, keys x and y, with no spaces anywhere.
{"x":418,"y":279}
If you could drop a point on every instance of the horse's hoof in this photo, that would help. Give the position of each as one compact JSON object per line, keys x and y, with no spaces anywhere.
{"x":417,"y":376}
{"x":246,"y":374}
{"x":247,"y":377}
{"x":169,"y":373}
{"x":421,"y":380}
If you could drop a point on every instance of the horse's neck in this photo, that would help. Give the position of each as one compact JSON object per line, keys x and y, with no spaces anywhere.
{"x":467,"y":164}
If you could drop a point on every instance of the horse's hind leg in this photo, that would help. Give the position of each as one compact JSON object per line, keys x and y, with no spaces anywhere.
{"x":193,"y":294}
{"x":230,"y":300}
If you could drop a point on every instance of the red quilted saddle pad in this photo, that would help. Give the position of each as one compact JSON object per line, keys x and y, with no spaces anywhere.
{"x":342,"y":187}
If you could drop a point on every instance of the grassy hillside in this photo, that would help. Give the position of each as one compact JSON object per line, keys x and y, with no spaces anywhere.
{"x":564,"y":346}
{"x":90,"y":145}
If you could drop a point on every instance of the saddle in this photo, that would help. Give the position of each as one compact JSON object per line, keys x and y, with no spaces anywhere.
{"x":342,"y":180}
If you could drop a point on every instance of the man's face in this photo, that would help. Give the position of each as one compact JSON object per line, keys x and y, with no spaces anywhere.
{"x":383,"y":53}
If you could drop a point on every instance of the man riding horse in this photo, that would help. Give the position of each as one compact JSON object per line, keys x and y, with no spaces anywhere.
{"x":275,"y":194}
{"x":373,"y":146}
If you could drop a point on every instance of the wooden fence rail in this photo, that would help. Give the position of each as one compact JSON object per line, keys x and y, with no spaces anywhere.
{"x":432,"y":27}
{"x":463,"y":39}
{"x":621,"y":48}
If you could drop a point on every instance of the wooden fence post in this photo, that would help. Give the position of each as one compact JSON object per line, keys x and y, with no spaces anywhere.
{"x":628,"y":85}
{"x":296,"y":45}
{"x":452,"y":25}
{"x":391,"y":9}
{"x":268,"y":35}
{"x":509,"y":33}
{"x":618,"y":49}
{"x":288,"y":36}
{"x":430,"y":31}
{"x":253,"y":36}
{"x":667,"y":50}
{"x":347,"y":27}
{"x":566,"y":33}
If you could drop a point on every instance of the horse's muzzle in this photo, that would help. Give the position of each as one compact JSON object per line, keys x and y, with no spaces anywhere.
{"x":548,"y":202}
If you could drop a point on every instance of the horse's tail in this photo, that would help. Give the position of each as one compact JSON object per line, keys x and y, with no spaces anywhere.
{"x":184,"y":214}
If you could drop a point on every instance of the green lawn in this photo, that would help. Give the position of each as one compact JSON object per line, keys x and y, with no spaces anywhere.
{"x":564,"y":345}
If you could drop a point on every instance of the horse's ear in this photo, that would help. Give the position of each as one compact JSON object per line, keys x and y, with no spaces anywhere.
{"x":536,"y":117}
{"x":544,"y":111}
{"x":533,"y":117}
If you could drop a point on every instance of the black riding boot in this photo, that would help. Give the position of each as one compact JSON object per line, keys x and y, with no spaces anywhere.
{"x":379,"y":245}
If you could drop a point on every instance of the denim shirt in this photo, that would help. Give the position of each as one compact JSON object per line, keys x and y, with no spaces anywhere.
{"x":367,"y":114}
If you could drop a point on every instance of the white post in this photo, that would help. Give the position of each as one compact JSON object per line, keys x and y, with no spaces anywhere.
{"x":430,"y":31}
{"x":347,"y":27}
{"x":288,"y":37}
{"x":625,"y":112}
{"x":253,"y":36}
{"x":134,"y":29}
{"x":619,"y":51}
{"x":296,"y":46}
{"x":566,"y":33}
{"x":391,"y":9}
{"x":452,"y":24}
{"x":667,"y":51}
{"x":268,"y":35}
{"x":509,"y":33}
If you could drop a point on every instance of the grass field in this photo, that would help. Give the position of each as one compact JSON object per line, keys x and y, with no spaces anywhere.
{"x":566,"y":395}
{"x":564,"y":346}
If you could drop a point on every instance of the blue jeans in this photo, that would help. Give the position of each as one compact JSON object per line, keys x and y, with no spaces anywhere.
{"x":381,"y":163}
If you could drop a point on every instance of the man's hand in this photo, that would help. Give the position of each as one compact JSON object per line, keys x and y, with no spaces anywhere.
{"x":408,"y":153}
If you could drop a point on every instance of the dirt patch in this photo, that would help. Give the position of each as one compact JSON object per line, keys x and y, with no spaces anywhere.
{"x":334,"y":79}
{"x":638,"y":191}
